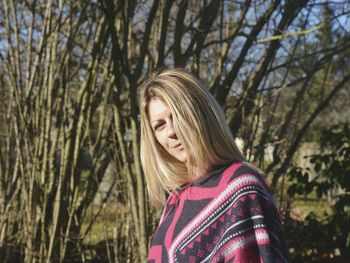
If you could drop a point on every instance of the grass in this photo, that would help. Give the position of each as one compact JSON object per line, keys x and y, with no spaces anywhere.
{"x":103,"y":225}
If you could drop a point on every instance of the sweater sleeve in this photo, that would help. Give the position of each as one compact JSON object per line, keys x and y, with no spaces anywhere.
{"x":250,"y":229}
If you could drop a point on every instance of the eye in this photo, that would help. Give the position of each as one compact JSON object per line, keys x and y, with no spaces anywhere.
{"x":159,"y":126}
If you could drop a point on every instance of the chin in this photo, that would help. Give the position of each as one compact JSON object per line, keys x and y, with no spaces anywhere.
{"x":180,"y":156}
{"x":182,"y":159}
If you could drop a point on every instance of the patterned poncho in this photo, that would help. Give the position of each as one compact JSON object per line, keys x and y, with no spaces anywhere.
{"x":229,"y":216}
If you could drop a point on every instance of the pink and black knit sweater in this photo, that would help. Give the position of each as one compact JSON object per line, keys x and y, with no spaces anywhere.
{"x":227,"y":217}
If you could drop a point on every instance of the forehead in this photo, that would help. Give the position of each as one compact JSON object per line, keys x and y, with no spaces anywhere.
{"x":157,"y":110}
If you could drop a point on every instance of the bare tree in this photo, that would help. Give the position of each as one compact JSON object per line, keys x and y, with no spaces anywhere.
{"x":53,"y":79}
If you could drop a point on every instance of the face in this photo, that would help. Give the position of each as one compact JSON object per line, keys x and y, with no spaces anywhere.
{"x":161,"y":121}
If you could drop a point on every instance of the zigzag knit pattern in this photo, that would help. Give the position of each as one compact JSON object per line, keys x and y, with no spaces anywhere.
{"x":227,"y":217}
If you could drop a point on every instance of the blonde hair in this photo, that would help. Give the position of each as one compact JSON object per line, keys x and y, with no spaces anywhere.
{"x":199,"y":124}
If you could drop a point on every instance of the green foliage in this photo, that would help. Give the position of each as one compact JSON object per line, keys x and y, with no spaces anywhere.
{"x":331,"y":182}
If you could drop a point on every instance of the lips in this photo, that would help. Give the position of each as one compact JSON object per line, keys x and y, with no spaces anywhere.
{"x":177,"y":145}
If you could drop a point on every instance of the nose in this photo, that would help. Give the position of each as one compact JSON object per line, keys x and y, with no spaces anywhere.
{"x":171,"y":131}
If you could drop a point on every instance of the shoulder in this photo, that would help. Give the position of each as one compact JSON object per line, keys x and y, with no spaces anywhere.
{"x":240,"y":175}
{"x":235,"y":172}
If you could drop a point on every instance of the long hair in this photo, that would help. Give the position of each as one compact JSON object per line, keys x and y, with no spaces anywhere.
{"x":199,"y":124}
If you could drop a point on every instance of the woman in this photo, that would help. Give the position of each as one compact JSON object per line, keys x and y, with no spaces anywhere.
{"x":219,"y":208}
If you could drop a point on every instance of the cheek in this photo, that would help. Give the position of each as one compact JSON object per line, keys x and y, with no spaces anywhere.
{"x":162,"y":140}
